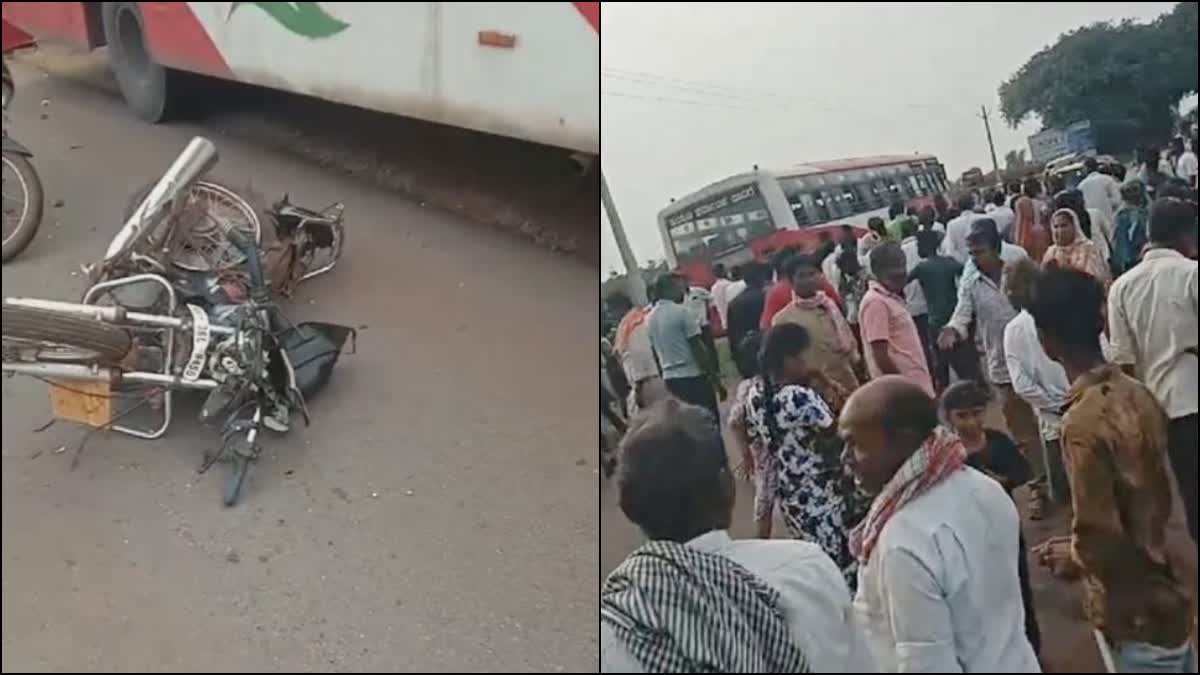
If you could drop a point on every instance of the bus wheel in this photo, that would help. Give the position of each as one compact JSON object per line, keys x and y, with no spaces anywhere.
{"x":146,"y":85}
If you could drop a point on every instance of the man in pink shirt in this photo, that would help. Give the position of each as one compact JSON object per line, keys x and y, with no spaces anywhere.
{"x":889,"y":335}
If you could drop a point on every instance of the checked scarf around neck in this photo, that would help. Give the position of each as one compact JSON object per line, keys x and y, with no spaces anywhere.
{"x":679,"y":610}
{"x":938,"y":458}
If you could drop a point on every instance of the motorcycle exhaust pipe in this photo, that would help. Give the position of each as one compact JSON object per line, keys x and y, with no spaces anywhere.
{"x":196,"y":159}
{"x":112,"y":314}
{"x":104,"y":374}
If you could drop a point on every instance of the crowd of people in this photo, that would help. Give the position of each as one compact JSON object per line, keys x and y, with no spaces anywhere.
{"x":867,"y":367}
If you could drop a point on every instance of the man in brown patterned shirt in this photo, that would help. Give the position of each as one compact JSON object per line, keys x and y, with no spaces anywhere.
{"x":1114,"y":439}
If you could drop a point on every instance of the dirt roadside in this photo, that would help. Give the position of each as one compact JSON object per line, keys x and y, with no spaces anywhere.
{"x":533,"y":191}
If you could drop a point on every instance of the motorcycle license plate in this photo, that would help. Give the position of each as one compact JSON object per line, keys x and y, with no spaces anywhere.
{"x":201,"y":335}
{"x":81,"y":401}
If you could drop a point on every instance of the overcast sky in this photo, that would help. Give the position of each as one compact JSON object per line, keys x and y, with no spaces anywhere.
{"x":693,"y":92}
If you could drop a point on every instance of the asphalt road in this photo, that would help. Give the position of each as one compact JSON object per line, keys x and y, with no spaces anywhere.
{"x":440,"y":514}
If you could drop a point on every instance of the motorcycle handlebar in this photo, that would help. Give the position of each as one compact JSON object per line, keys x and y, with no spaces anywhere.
{"x":258,"y":281}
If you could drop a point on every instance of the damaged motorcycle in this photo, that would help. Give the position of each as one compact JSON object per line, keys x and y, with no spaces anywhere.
{"x":182,"y":301}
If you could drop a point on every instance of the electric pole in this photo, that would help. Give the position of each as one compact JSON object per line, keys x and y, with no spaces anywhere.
{"x":634,"y":283}
{"x":991,"y":146}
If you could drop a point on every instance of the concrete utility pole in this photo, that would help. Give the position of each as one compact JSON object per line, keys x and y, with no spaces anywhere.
{"x":635,"y":285}
{"x":991,"y":146}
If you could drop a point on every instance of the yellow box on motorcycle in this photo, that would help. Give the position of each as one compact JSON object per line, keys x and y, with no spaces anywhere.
{"x":83,"y":402}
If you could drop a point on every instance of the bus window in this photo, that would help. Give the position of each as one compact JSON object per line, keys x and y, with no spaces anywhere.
{"x":810,"y":208}
{"x":845,"y":199}
{"x":864,"y":197}
{"x":851,"y":200}
{"x":883,"y":194}
{"x":759,"y":224}
{"x":689,"y":248}
{"x":721,"y":224}
{"x":829,"y":201}
{"x":683,"y":230}
{"x":906,"y":183}
{"x":922,"y":183}
{"x":799,"y":213}
{"x":822,"y":207}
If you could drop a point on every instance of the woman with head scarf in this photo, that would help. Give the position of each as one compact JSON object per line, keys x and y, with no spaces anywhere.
{"x":1095,"y":225}
{"x":1072,"y":249}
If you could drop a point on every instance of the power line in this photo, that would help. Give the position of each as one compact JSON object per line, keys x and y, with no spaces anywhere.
{"x":725,"y":90}
{"x":696,"y":87}
{"x":717,"y":91}
{"x":668,"y":99}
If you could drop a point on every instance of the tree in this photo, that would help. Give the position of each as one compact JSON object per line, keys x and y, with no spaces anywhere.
{"x":1014,"y":161}
{"x":650,"y":271}
{"x":1125,"y":78}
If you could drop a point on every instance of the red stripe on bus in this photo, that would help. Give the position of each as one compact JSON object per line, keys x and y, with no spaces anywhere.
{"x":591,"y":12}
{"x":177,"y":38}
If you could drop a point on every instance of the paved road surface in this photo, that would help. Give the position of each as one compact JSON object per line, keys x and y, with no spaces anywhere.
{"x":440,"y":514}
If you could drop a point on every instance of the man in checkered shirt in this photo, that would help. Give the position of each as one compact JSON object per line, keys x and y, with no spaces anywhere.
{"x":694,"y":600}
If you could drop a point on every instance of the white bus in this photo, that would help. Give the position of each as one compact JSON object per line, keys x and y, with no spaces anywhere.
{"x":739,"y":218}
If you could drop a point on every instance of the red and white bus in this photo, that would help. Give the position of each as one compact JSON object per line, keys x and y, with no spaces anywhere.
{"x":527,"y":70}
{"x":741,"y":217}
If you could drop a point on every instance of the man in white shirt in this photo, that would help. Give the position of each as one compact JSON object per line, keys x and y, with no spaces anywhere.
{"x":981,"y":299}
{"x":1100,"y":190}
{"x":720,"y":291}
{"x":914,"y":295}
{"x":705,"y":588}
{"x":938,"y":590}
{"x":1185,"y":165}
{"x":1035,"y":377}
{"x":1003,"y":215}
{"x":927,"y":220}
{"x":955,"y":243}
{"x":1152,"y":319}
{"x":737,"y":284}
{"x":632,"y":346}
{"x":697,"y":302}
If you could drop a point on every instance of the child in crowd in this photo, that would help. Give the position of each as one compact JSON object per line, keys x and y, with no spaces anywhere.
{"x":786,"y":415}
{"x":755,"y":460}
{"x":993,"y":453}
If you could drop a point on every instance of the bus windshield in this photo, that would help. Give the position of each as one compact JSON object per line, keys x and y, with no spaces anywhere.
{"x":719,"y":224}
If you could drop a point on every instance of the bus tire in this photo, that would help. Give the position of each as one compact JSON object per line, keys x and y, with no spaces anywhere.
{"x":148,"y":87}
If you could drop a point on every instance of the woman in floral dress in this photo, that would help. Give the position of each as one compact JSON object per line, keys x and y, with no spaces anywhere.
{"x":796,"y":426}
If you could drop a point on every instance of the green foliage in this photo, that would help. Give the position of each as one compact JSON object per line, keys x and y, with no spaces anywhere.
{"x":1014,"y":161}
{"x":650,"y":271}
{"x":1124,"y":77}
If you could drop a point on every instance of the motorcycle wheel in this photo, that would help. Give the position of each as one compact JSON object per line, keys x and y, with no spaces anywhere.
{"x":27,"y":219}
{"x":64,"y":337}
{"x":245,"y":212}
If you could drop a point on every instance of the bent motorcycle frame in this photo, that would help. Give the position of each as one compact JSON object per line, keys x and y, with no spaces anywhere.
{"x":196,"y":159}
{"x":117,"y":315}
{"x":332,"y":216}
